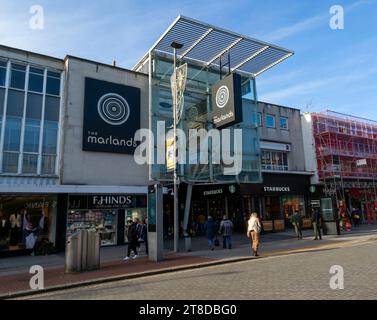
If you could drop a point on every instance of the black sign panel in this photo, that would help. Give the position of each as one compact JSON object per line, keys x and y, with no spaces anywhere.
{"x":106,"y":201}
{"x":111,"y":117}
{"x":227,"y":101}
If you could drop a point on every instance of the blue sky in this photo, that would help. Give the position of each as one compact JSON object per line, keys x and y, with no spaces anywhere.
{"x":331,"y":69}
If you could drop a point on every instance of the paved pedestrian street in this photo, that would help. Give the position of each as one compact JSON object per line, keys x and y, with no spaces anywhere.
{"x":296,"y":276}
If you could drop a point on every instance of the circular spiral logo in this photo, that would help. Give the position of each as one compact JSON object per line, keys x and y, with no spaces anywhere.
{"x":222,"y":96}
{"x":113,"y":109}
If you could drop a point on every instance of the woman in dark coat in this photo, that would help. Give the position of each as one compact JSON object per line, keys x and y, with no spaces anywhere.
{"x":210,"y":230}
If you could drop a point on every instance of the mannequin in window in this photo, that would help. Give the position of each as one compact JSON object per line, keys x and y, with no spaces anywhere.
{"x":4,"y":227}
{"x":33,"y":224}
{"x":15,"y":228}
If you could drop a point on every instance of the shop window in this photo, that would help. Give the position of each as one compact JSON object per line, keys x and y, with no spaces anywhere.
{"x":291,"y":204}
{"x":36,"y":80}
{"x":3,"y":73}
{"x":103,"y":221}
{"x":53,"y":83}
{"x":17,"y":78}
{"x":270,"y":121}
{"x":27,"y":223}
{"x":284,"y":123}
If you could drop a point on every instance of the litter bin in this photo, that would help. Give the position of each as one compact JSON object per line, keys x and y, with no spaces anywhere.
{"x":73,"y":255}
{"x":93,"y":251}
{"x":82,"y":251}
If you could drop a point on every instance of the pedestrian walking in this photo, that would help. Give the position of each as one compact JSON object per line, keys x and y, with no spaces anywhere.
{"x":296,"y":221}
{"x":210,"y":231}
{"x":226,"y":228}
{"x":133,"y":239}
{"x":254,"y":228}
{"x":143,"y":236}
{"x":317,"y":223}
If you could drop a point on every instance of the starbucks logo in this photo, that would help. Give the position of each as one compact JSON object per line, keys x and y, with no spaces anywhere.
{"x":113,"y":109}
{"x":232,"y":189}
{"x":222,"y":96}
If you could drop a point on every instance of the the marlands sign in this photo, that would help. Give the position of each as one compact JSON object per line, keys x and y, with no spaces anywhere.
{"x":111,"y":117}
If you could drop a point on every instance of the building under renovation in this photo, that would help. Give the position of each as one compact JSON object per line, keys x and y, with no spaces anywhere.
{"x":345,"y":161}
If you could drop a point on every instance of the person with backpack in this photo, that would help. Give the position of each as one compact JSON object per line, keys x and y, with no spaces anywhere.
{"x":133,"y":239}
{"x":226,"y":228}
{"x":254,"y":228}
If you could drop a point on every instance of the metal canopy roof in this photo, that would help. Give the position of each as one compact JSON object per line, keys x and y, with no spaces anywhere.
{"x":207,"y":44}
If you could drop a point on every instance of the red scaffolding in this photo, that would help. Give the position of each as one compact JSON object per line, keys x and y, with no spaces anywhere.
{"x":346,"y":152}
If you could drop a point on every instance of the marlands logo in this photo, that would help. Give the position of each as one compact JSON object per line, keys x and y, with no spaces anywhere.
{"x":222,"y":96}
{"x":113,"y":109}
{"x":94,"y":138}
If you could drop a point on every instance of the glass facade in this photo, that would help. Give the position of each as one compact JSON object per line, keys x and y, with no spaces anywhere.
{"x":29,"y":119}
{"x":197,"y":114}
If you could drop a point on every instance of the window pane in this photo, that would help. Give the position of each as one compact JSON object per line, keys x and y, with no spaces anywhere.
{"x":17,"y":79}
{"x":10,"y":162}
{"x":12,"y":134}
{"x":35,"y":82}
{"x":15,"y":104}
{"x":50,"y":134}
{"x":283,"y":123}
{"x":30,"y":163}
{"x":48,"y":164}
{"x":2,"y":95}
{"x":270,"y":121}
{"x":52,"y":108}
{"x":31,"y":138}
{"x":34,"y":106}
{"x":53,"y":83}
{"x":3,"y":72}
{"x":259,"y":119}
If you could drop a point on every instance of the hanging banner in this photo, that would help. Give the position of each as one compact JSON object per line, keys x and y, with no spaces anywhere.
{"x":170,"y":159}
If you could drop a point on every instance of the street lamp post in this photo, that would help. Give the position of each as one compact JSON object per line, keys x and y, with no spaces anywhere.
{"x":175,"y":46}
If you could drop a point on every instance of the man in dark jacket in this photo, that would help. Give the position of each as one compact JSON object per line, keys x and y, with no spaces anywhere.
{"x":210,"y":230}
{"x":226,"y":228}
{"x":144,"y":234}
{"x":133,"y":239}
{"x":317,"y":221}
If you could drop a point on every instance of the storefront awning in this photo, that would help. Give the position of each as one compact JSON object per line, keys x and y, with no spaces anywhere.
{"x":209,"y":46}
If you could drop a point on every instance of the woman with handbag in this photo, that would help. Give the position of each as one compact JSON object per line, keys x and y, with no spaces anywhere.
{"x":253,"y":232}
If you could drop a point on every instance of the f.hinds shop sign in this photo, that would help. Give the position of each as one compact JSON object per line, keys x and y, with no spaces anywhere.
{"x":111,"y":117}
{"x":227,"y":101}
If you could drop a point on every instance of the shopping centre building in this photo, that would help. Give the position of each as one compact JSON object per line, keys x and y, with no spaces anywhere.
{"x":67,"y":140}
